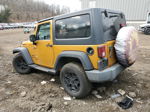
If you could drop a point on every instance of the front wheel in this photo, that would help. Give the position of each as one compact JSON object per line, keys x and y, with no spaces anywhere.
{"x":147,"y":31}
{"x":74,"y":80}
{"x":20,"y":65}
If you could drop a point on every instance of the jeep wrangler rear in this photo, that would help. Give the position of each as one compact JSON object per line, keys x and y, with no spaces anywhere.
{"x":78,"y":46}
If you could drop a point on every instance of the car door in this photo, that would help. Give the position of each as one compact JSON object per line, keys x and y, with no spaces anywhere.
{"x":44,"y":44}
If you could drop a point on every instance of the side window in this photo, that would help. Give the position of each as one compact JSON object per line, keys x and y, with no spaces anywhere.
{"x":73,"y":27}
{"x":43,"y":32}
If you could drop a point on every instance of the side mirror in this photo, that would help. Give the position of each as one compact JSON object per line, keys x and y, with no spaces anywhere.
{"x":32,"y":38}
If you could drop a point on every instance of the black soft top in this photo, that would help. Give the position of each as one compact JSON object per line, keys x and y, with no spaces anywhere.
{"x":102,"y":29}
{"x":78,"y":12}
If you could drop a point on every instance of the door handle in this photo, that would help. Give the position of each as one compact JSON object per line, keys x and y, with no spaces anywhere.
{"x":49,"y":45}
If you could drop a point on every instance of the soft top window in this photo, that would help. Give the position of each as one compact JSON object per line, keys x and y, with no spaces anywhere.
{"x":73,"y":27}
{"x":111,"y":24}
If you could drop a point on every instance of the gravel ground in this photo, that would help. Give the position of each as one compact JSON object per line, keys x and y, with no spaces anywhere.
{"x":25,"y":93}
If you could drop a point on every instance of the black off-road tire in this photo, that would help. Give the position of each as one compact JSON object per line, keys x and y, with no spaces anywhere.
{"x":147,"y":31}
{"x":74,"y":80}
{"x":20,"y":65}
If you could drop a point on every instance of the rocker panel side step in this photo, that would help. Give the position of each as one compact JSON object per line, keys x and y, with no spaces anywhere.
{"x":45,"y":69}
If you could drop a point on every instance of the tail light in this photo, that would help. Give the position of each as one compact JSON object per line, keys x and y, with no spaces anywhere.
{"x":101,"y":51}
{"x":122,"y":25}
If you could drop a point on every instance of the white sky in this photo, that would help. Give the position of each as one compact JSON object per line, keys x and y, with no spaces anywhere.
{"x":72,"y":4}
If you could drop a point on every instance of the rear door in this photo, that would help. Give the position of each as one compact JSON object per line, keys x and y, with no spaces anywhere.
{"x":112,"y":22}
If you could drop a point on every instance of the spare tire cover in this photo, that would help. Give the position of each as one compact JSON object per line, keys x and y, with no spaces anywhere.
{"x":126,"y":45}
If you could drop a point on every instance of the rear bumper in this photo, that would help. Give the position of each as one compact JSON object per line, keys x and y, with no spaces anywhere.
{"x":108,"y":74}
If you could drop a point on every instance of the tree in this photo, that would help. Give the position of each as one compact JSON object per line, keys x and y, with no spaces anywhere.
{"x":30,"y":10}
{"x":4,"y":15}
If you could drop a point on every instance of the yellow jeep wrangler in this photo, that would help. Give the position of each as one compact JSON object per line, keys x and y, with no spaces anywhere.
{"x":78,"y":46}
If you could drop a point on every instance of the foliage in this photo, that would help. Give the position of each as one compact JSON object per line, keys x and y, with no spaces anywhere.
{"x":5,"y":15}
{"x":32,"y":10}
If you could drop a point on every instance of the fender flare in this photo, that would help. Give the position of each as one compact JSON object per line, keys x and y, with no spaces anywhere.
{"x":83,"y":57}
{"x":25,"y":53}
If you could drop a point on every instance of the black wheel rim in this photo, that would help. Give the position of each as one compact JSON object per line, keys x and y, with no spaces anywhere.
{"x":21,"y":64}
{"x":148,"y":31}
{"x":72,"y":82}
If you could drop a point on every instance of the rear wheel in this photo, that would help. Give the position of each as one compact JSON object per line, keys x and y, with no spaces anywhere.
{"x":20,"y":65}
{"x":74,"y":80}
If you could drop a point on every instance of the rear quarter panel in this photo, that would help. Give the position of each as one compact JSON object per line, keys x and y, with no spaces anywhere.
{"x":93,"y":58}
{"x":110,"y":54}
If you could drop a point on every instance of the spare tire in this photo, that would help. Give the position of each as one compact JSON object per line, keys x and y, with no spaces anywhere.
{"x":126,"y":45}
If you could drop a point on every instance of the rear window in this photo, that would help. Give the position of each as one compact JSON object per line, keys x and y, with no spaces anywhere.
{"x":111,"y":24}
{"x":73,"y":27}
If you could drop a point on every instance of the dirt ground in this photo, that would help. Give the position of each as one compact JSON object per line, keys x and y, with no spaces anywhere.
{"x":25,"y":93}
